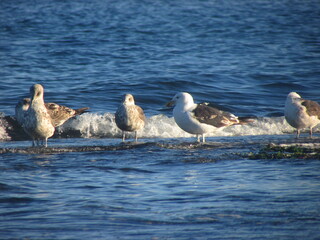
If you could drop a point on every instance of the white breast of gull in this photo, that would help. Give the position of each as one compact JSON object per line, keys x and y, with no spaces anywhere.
{"x":59,"y":114}
{"x":200,"y":119}
{"x":37,"y":122}
{"x":301,"y":113}
{"x":129,"y":117}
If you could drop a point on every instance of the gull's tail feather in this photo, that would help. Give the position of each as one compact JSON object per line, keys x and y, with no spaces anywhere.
{"x":246,"y":120}
{"x":81,"y":110}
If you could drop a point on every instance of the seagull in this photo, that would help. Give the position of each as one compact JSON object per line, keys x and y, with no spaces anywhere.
{"x":21,"y":109}
{"x":200,"y":119}
{"x":59,"y":114}
{"x":129,"y":117}
{"x":37,"y":121}
{"x":301,"y":113}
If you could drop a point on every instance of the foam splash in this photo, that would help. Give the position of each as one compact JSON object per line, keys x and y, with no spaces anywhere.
{"x":102,"y":125}
{"x":93,"y":125}
{"x":4,"y":127}
{"x":3,"y":134}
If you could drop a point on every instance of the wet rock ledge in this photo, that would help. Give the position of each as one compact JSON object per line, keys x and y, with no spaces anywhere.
{"x":287,"y":151}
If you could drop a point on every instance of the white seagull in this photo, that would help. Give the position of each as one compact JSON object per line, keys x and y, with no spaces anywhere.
{"x":301,"y":113}
{"x":200,"y":119}
{"x":129,"y":117}
{"x":59,"y":114}
{"x":37,"y":121}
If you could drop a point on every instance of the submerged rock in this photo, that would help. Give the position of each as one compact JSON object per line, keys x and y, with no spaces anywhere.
{"x":288,"y":151}
{"x":12,"y":129}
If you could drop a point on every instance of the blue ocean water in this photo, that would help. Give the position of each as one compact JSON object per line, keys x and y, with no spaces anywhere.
{"x":244,"y":56}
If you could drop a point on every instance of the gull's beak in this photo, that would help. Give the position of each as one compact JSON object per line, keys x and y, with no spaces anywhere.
{"x":170,"y":104}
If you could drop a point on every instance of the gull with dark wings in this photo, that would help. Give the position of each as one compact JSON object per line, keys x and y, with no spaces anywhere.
{"x":201,"y":119}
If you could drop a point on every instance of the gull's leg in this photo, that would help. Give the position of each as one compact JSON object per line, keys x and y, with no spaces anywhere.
{"x":311,"y":132}
{"x":298,"y":133}
{"x":136,"y":136}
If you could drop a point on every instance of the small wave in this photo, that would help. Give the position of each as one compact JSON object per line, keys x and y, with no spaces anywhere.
{"x":102,"y":125}
{"x":3,"y":128}
{"x":92,"y":125}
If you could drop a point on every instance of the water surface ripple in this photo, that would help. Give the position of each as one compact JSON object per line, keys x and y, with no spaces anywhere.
{"x":244,"y":56}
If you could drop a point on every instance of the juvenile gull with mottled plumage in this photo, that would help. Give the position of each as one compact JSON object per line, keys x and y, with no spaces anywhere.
{"x":37,"y":121}
{"x":301,"y":113}
{"x":129,"y":117}
{"x":200,"y":119}
{"x":59,"y":114}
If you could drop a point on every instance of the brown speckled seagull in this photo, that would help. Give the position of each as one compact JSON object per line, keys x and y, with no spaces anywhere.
{"x":129,"y":117}
{"x":37,"y":121}
{"x":59,"y":114}
{"x":301,"y":113}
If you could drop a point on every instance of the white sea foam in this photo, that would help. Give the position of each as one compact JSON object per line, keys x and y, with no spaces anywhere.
{"x":3,"y":133}
{"x":161,"y":126}
{"x":102,"y":125}
{"x":3,"y":126}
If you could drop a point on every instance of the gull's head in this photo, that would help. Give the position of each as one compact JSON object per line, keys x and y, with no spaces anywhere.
{"x":293,"y":95}
{"x":20,"y":109}
{"x":181,"y":99}
{"x":24,"y":104}
{"x":36,"y":91}
{"x":127,"y":99}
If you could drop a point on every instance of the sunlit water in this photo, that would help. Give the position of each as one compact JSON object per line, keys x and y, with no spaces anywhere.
{"x":244,"y":56}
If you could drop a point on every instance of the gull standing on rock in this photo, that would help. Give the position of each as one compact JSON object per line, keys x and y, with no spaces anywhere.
{"x":37,"y":121}
{"x":129,"y":117}
{"x":59,"y":114}
{"x":301,"y":113}
{"x":200,"y":119}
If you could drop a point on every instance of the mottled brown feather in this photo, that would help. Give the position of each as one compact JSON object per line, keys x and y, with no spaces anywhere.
{"x":141,"y":113}
{"x":313,"y":108}
{"x":213,"y":116}
{"x":58,"y":113}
